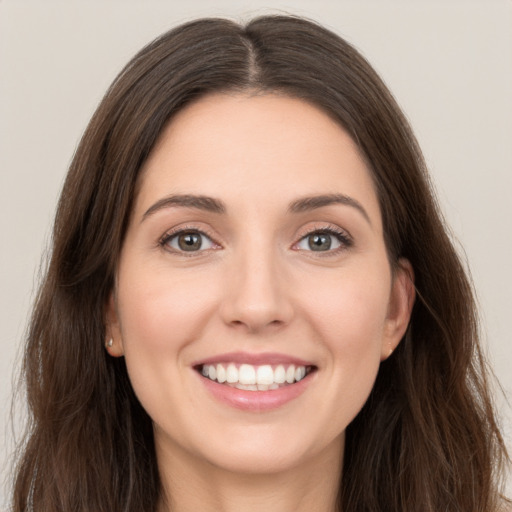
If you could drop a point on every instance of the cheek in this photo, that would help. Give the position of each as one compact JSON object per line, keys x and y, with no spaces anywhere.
{"x":349,"y":311}
{"x":159,"y":316}
{"x":155,"y":306}
{"x":348,"y":317}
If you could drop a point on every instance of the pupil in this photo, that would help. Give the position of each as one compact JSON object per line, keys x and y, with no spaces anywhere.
{"x":319,"y":242}
{"x":189,"y":242}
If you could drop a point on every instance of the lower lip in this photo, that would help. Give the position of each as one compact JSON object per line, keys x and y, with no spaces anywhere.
{"x":256,"y":401}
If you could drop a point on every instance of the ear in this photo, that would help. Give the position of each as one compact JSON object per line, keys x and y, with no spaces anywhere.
{"x":114,"y":340}
{"x":400,"y":307}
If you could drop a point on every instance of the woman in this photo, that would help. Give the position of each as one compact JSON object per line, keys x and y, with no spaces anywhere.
{"x":252,"y":300}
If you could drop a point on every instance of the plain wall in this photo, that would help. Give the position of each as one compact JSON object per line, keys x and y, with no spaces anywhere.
{"x":449,"y":63}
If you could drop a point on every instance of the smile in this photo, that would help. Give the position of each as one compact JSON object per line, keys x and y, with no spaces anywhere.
{"x":250,"y":377}
{"x":255,"y":382}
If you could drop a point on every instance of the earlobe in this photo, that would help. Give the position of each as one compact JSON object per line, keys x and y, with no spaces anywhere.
{"x":400,"y":307}
{"x":113,"y":341}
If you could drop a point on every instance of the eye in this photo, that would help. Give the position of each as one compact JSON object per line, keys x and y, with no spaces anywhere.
{"x":323,"y":241}
{"x":188,"y":241}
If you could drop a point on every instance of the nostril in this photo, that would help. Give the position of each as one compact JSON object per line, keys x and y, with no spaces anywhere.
{"x":255,"y":325}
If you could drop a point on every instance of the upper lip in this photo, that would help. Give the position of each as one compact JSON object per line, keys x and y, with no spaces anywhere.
{"x":271,"y":358}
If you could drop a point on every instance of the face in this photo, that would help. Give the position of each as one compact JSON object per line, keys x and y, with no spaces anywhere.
{"x":254,"y":299}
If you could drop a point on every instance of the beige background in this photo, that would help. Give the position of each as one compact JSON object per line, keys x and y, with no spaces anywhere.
{"x":449,"y":63}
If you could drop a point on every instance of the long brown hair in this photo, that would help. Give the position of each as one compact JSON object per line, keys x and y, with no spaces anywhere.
{"x":427,"y":438}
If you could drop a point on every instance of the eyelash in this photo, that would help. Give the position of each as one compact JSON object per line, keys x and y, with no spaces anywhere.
{"x":167,"y":237}
{"x":344,"y":239}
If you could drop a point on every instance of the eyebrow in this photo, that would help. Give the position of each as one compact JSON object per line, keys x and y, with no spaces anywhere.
{"x":213,"y":205}
{"x":313,"y":202}
{"x":205,"y":203}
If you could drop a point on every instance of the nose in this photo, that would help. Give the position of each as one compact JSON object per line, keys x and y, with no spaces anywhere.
{"x":257,"y":294}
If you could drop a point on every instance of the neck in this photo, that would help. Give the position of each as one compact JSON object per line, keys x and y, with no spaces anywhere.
{"x":191,"y":484}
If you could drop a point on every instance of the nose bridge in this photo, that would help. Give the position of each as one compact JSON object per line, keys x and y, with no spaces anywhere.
{"x":257,"y":295}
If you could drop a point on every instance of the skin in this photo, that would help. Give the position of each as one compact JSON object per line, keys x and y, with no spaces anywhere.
{"x":257,"y":286}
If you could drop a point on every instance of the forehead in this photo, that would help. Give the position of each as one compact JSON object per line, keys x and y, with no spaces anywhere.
{"x":259,"y":148}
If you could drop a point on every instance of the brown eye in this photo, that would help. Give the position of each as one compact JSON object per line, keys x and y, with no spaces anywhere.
{"x":319,"y":242}
{"x":325,"y":240}
{"x":188,"y":241}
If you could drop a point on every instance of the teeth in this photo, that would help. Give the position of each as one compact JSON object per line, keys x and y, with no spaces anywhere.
{"x":254,"y":378}
{"x":247,"y":387}
{"x":231,"y":373}
{"x":290,"y":374}
{"x":221,"y":373}
{"x":279,"y":374}
{"x":265,"y":375}
{"x":246,"y":374}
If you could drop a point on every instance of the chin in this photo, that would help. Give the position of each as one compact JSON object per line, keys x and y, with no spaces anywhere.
{"x":257,"y":461}
{"x":263,"y":452}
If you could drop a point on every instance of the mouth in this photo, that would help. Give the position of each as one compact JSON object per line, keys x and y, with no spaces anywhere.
{"x":249,"y":377}
{"x":255,"y":383}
